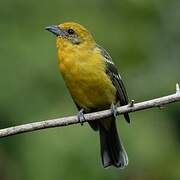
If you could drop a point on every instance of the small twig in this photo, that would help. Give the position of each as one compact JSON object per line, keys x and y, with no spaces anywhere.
{"x":131,"y":104}
{"x":177,"y":88}
{"x":65,"y":121}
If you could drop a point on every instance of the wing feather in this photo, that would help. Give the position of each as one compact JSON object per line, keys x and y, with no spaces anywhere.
{"x":116,"y":79}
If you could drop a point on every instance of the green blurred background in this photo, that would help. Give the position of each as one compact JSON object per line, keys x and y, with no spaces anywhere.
{"x":142,"y":36}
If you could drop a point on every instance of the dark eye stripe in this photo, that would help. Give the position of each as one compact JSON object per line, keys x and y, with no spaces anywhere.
{"x":70,"y":31}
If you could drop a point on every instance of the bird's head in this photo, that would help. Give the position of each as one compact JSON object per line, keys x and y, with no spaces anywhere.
{"x":71,"y":34}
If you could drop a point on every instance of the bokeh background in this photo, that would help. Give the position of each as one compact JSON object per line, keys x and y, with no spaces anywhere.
{"x":142,"y":36}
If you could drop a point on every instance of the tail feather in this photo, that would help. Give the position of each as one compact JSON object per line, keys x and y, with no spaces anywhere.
{"x":112,"y":150}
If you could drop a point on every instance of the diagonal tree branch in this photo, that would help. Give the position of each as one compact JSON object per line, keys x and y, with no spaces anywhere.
{"x":65,"y":121}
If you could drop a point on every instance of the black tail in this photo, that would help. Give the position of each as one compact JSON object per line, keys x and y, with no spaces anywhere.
{"x":112,"y":150}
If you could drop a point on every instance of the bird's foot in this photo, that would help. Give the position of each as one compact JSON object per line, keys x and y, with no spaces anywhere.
{"x":80,"y":116}
{"x":114,"y":109}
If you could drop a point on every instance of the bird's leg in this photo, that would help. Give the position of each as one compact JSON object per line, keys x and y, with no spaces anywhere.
{"x":80,"y":116}
{"x":114,"y":109}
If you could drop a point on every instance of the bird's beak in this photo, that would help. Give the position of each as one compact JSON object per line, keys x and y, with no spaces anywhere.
{"x":55,"y":30}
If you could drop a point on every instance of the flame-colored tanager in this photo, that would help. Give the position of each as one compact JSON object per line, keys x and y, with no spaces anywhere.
{"x":94,"y":84}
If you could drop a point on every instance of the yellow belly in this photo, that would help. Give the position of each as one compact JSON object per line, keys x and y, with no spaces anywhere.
{"x":88,"y":82}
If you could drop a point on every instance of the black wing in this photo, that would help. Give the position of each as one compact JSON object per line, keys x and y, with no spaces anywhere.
{"x":115,"y":77}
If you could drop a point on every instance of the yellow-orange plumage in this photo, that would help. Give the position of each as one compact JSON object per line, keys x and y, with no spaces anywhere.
{"x":85,"y":70}
{"x":86,"y":78}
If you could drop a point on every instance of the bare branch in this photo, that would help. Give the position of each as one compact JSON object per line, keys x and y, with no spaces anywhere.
{"x":65,"y":121}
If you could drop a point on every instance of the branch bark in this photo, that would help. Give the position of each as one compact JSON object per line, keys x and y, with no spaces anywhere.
{"x":65,"y":121}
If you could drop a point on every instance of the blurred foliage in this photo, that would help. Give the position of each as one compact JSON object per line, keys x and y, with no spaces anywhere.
{"x":143,"y":39}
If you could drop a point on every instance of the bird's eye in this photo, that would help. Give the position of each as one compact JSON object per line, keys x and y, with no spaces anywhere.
{"x":70,"y":31}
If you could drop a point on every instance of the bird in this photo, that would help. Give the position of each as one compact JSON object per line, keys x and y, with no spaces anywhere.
{"x":94,"y":84}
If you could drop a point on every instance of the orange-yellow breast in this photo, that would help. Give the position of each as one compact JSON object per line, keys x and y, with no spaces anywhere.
{"x":85,"y":76}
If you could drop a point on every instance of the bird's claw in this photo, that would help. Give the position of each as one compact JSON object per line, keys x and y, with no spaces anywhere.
{"x":81,"y":117}
{"x":114,"y":110}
